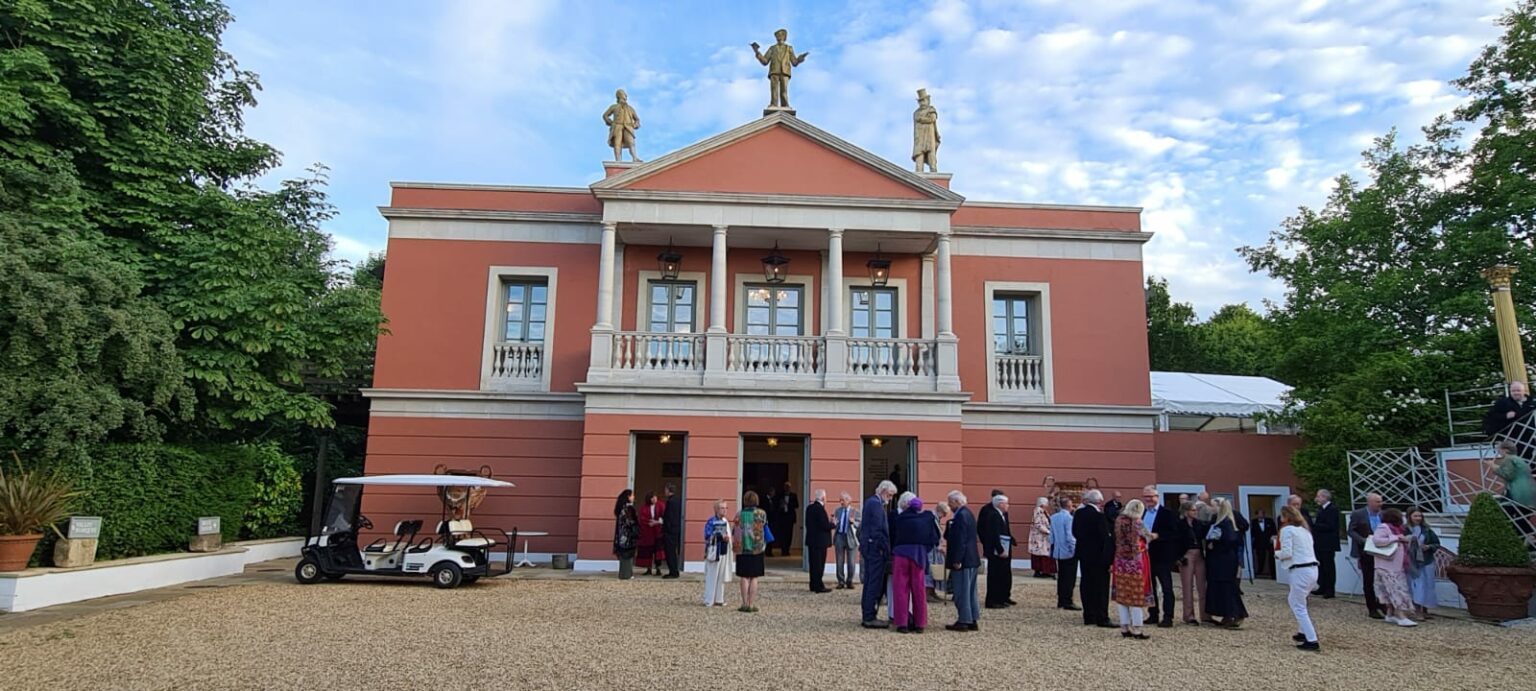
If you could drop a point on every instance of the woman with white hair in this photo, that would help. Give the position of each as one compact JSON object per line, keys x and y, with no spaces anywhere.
{"x":1130,"y":573}
{"x":1223,"y":555}
{"x":1040,"y":541}
{"x":717,"y":556}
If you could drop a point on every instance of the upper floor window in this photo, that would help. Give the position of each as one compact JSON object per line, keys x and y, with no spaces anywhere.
{"x":775,"y":310}
{"x":873,"y":312}
{"x":527,"y":311}
{"x":673,"y":306}
{"x":1013,"y":324}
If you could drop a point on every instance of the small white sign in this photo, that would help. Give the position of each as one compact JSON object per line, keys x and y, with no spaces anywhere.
{"x":84,"y":528}
{"x":208,"y":525}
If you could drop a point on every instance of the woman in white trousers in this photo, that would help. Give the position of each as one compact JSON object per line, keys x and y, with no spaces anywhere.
{"x":717,"y":556}
{"x":1296,"y":554}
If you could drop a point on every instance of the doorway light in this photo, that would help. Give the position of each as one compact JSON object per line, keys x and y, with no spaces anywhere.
{"x":773,"y":441}
{"x":665,"y":439}
{"x":876,"y":442}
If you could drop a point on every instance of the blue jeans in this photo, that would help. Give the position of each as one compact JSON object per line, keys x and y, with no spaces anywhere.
{"x":962,"y":583}
{"x":875,"y":568}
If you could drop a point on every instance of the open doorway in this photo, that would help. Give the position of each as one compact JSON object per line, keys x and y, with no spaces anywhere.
{"x":775,"y":467}
{"x":658,"y":459}
{"x":889,"y":458}
{"x":1262,"y":502}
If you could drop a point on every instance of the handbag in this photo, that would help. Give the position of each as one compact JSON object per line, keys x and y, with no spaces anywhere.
{"x":1378,"y":551}
{"x":767,"y":535}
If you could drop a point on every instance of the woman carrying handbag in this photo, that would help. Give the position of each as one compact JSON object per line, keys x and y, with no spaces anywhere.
{"x":1389,"y":545}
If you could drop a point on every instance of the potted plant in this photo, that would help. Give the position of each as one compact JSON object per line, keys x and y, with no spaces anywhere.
{"x":1492,"y":568}
{"x":30,"y":500}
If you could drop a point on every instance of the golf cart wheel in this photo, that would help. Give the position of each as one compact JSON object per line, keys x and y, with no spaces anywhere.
{"x":447,"y":575}
{"x":307,"y":572}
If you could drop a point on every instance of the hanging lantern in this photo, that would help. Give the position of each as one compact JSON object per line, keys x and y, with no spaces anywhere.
{"x":775,"y":266}
{"x":669,"y":262}
{"x":773,"y":441}
{"x":879,"y":269}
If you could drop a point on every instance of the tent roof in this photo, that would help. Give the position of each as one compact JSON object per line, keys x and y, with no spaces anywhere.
{"x":424,"y":481}
{"x":1216,"y":395}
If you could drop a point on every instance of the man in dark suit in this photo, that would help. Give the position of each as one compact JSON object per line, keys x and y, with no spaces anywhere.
{"x":1263,"y":532}
{"x":1112,"y":509}
{"x":818,"y":537}
{"x":788,"y":504}
{"x":997,"y":546}
{"x":875,"y":550}
{"x":1162,"y":552}
{"x":672,"y":531}
{"x":1362,"y":524}
{"x":961,"y":559}
{"x":1507,"y":409}
{"x":1325,"y":540}
{"x":1095,"y":550}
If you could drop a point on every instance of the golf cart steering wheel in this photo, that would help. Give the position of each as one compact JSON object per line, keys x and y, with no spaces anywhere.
{"x":363,"y":522}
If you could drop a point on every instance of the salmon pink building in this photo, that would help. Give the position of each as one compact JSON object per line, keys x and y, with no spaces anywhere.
{"x":770,"y":305}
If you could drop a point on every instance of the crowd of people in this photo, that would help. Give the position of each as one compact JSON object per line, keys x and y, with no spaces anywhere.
{"x":907,"y":553}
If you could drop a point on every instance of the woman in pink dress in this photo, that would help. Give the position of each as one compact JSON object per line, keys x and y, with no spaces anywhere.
{"x":651,"y":548}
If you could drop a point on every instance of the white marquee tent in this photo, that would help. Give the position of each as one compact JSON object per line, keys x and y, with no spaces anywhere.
{"x":1216,"y":402}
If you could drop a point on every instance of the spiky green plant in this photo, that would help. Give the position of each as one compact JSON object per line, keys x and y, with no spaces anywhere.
{"x":31,"y":500}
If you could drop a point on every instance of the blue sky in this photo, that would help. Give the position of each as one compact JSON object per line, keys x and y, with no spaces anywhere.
{"x":1219,"y":118}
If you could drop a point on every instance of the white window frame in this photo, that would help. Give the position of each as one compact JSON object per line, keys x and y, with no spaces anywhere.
{"x":495,"y":323}
{"x":899,"y":284}
{"x":700,"y":298}
{"x":811,"y":326}
{"x":1043,"y":293}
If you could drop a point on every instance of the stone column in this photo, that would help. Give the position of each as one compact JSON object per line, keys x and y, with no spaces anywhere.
{"x":602,"y":329}
{"x":605,"y":279}
{"x":836,"y":352}
{"x":947,"y":343}
{"x":834,"y":284}
{"x":714,"y":339}
{"x":927,"y":298}
{"x":1510,"y":348}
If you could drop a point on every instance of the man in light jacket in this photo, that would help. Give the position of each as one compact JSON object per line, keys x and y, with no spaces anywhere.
{"x":845,"y":541}
{"x":1064,"y":551}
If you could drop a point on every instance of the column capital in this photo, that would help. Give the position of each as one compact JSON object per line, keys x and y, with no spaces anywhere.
{"x":610,"y":225}
{"x":721,"y":228}
{"x":835,"y":232}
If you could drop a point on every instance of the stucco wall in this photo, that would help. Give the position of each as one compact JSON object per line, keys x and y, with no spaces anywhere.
{"x":1222,"y":461}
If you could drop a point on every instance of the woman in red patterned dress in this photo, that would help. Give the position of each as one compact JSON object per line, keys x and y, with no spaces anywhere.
{"x":1130,"y":573}
{"x":651,"y":548}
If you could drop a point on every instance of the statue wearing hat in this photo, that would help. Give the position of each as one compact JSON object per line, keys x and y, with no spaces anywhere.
{"x":925,"y":134}
{"x":781,"y":60}
{"x":622,"y":121}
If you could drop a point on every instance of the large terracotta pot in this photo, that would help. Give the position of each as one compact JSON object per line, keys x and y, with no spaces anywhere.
{"x":1500,"y":593}
{"x":16,"y":551}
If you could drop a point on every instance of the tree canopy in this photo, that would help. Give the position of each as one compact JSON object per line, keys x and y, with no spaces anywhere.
{"x":152,"y":286}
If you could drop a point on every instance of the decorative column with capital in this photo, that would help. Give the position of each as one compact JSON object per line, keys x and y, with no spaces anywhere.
{"x":602,"y":327}
{"x":1510,"y":349}
{"x":836,"y":366}
{"x":948,"y":344}
{"x":714,"y":338}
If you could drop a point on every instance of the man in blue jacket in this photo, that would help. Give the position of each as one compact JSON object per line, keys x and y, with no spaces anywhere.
{"x":962,"y":559}
{"x":875,"y":548}
{"x":1064,"y":551}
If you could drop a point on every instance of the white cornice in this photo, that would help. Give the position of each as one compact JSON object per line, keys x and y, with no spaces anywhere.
{"x":1139,"y":237}
{"x":778,"y":199}
{"x":394,"y":212}
{"x":891,"y":170}
{"x":1053,"y":207}
{"x":488,"y":188}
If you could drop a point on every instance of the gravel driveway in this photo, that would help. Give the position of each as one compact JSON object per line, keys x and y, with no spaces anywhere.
{"x":538,"y":633}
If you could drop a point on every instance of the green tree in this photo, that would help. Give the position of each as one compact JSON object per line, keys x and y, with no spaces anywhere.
{"x":1171,"y":340}
{"x":1237,"y":340}
{"x":1385,"y":305}
{"x":138,"y":106}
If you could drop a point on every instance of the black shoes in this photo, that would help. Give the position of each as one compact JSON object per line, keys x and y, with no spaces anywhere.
{"x":876,"y":624}
{"x":1377,"y":615}
{"x":671,"y":575}
{"x":1165,"y":624}
{"x":1070,"y":608}
{"x":1298,"y":638}
{"x":995,"y":606}
{"x":1310,"y":646}
{"x":1106,"y":625}
{"x":819,"y":591}
{"x":1009,"y":602}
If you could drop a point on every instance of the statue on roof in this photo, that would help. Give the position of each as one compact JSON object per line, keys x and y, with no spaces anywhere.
{"x":925,"y":134}
{"x":781,"y":61}
{"x":622,"y":121}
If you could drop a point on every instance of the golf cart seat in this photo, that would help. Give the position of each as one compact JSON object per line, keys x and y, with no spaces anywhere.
{"x":462,"y":533}
{"x":405,"y":532}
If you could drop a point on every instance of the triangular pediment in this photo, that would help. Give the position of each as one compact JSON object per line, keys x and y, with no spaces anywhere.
{"x":779,"y":155}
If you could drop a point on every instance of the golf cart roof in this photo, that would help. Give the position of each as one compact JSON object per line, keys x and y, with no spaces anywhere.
{"x":424,"y":481}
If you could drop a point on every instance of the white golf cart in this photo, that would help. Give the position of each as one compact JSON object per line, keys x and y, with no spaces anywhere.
{"x":457,"y":552}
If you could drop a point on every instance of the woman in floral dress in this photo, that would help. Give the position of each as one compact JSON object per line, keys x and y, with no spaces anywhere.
{"x":1130,"y":574}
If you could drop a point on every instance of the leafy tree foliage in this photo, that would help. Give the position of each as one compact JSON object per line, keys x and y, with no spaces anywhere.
{"x":161,"y":290}
{"x":1170,"y":330}
{"x":1385,"y":304}
{"x":1235,"y":340}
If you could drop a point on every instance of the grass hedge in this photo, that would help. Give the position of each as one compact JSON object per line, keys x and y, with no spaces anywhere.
{"x":150,"y":495}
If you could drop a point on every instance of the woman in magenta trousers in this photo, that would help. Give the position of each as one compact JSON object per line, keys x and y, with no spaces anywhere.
{"x":913,"y":534}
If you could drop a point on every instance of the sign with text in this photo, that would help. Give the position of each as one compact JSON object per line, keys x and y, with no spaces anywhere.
{"x":84,"y":528}
{"x":208,"y":525}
